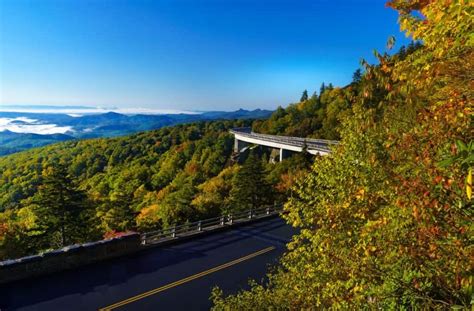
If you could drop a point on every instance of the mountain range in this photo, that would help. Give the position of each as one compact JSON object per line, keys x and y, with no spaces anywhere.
{"x":22,"y":130}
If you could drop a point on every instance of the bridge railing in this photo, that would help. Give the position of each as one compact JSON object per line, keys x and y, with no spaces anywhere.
{"x":208,"y":224}
{"x":322,"y":144}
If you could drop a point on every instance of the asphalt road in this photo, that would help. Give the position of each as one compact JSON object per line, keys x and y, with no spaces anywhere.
{"x":174,"y":277}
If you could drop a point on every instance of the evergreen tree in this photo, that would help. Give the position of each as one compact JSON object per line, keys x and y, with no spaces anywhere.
{"x":402,"y":53}
{"x":250,"y":189}
{"x":322,"y":89}
{"x":304,"y":96}
{"x":58,"y":205}
{"x":357,"y":76}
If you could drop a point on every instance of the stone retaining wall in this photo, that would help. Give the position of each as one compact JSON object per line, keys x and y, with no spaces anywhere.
{"x":68,"y":257}
{"x":73,"y":256}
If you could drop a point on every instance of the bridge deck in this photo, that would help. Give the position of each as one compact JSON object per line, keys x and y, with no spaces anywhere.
{"x":245,"y":134}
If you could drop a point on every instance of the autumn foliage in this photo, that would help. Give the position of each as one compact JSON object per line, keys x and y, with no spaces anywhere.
{"x":387,"y":219}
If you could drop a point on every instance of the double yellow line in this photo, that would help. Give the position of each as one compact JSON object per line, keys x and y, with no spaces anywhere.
{"x":185,"y":280}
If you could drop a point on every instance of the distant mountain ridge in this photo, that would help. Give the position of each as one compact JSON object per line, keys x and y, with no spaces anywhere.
{"x":108,"y":124}
{"x":11,"y":142}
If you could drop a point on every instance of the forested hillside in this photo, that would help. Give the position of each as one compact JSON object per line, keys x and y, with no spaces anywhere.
{"x":158,"y":178}
{"x":11,"y":142}
{"x":387,"y":219}
{"x":153,"y":179}
{"x":316,"y":116}
{"x":81,"y":191}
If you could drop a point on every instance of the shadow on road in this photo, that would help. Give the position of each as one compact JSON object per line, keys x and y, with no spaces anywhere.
{"x":108,"y":273}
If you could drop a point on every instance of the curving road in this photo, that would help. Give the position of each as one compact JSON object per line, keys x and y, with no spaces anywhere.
{"x":174,"y":277}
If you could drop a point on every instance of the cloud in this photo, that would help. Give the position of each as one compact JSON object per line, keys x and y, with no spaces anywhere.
{"x":27,"y":125}
{"x":78,"y":111}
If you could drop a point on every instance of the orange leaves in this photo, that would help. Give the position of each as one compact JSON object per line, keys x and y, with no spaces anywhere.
{"x":115,"y":234}
{"x":385,"y":68}
{"x":415,"y":231}
{"x":360,"y":194}
{"x":192,"y":168}
{"x":406,"y":6}
{"x":288,"y":180}
{"x":416,"y":213}
{"x":149,"y":210}
{"x":447,"y":184}
{"x":434,"y":230}
{"x":182,"y":147}
{"x":3,"y":228}
{"x":370,"y":250}
{"x":416,"y":284}
{"x":163,"y":193}
{"x":149,"y":217}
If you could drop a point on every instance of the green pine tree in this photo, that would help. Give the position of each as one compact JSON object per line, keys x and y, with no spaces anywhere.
{"x":58,"y":206}
{"x":304,"y":96}
{"x":250,"y":190}
{"x":322,"y":89}
{"x":357,"y":76}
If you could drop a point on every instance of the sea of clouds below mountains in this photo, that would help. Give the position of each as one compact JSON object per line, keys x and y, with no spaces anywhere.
{"x":35,"y":126}
{"x":27,"y":125}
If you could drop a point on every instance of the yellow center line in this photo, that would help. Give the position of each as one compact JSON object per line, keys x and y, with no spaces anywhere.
{"x":187,"y":279}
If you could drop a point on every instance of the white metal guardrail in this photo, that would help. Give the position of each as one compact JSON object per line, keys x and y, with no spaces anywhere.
{"x":208,"y":224}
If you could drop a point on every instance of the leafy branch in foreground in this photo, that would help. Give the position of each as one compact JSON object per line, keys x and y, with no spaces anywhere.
{"x":387,"y":220}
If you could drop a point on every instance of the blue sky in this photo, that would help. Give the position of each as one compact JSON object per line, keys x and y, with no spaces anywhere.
{"x":184,"y":54}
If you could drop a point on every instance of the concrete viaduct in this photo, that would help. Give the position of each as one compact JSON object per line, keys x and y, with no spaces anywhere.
{"x":286,"y":144}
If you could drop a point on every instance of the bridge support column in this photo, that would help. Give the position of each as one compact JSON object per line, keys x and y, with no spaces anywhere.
{"x":239,"y":145}
{"x":284,"y":154}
